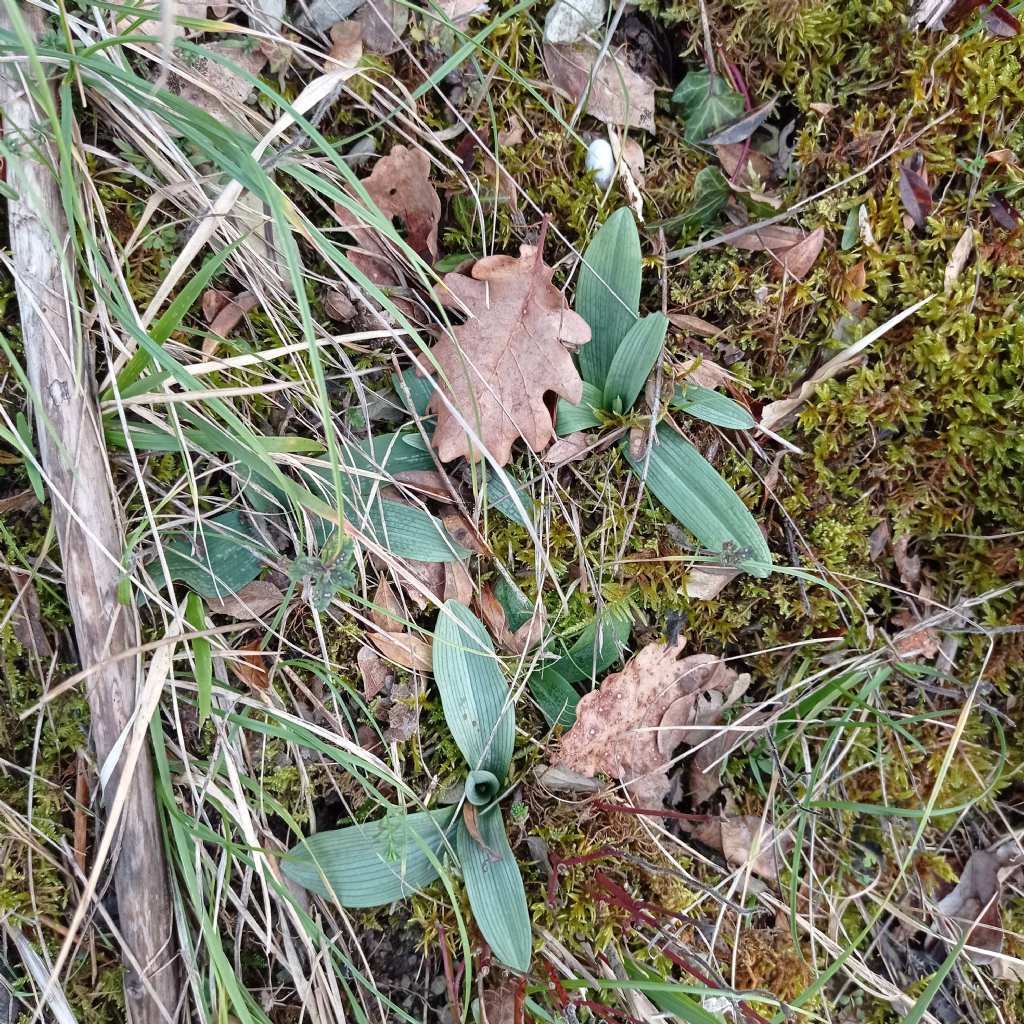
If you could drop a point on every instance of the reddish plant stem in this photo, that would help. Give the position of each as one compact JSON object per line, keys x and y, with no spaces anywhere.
{"x":449,"y":976}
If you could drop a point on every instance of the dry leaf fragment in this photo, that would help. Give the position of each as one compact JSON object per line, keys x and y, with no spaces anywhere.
{"x":404,"y":649}
{"x":748,"y":842}
{"x":458,"y":584}
{"x":383,"y":23}
{"x":216,"y":89}
{"x":628,"y":728}
{"x":464,"y":532}
{"x":250,"y":667}
{"x":375,"y":674}
{"x":27,"y":619}
{"x":386,"y":610}
{"x":346,"y":46}
{"x":527,"y":636}
{"x":460,"y":11}
{"x":614,"y":93}
{"x":799,"y":259}
{"x":251,"y":602}
{"x":403,"y":715}
{"x":338,"y":306}
{"x":213,"y":301}
{"x":908,"y":565}
{"x":694,"y":325}
{"x":958,"y":260}
{"x":755,"y":169}
{"x":567,"y":449}
{"x":227,"y":319}
{"x":770,"y":238}
{"x":19,"y":502}
{"x":706,"y":584}
{"x":915,"y":192}
{"x":503,"y":360}
{"x":425,"y":481}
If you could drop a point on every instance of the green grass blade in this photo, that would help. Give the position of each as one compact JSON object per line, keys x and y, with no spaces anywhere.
{"x":202,"y":656}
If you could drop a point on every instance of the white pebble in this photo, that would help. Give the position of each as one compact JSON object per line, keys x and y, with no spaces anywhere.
{"x":601,"y":160}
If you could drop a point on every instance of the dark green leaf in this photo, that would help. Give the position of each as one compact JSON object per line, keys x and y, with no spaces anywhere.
{"x":712,"y":407}
{"x":375,"y":863}
{"x":710,"y":194}
{"x":690,"y":488}
{"x":411,"y":387}
{"x":518,"y":608}
{"x":474,"y":693}
{"x":495,"y":889}
{"x":597,"y":647}
{"x":556,"y":698}
{"x":500,"y":500}
{"x":707,"y":104}
{"x":608,"y":292}
{"x":633,"y":361}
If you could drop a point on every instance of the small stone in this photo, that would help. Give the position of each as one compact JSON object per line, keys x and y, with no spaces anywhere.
{"x":601,"y":160}
{"x":570,"y":20}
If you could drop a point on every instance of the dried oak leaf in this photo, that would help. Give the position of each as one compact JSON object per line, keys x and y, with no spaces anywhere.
{"x":629,"y":727}
{"x":400,"y":187}
{"x":511,"y":351}
{"x":614,"y":93}
{"x":404,"y":649}
{"x":250,"y":667}
{"x":252,"y":601}
{"x":747,"y":841}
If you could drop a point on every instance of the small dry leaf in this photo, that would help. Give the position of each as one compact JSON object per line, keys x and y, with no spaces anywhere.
{"x":216,"y":89}
{"x":706,"y":584}
{"x":425,"y":481}
{"x":917,"y":641}
{"x":567,"y":449}
{"x":375,"y":674}
{"x":958,"y":260}
{"x":502,"y":361}
{"x":824,"y":109}
{"x":346,"y":46}
{"x":458,"y":584}
{"x":338,"y":306}
{"x":464,"y":532}
{"x":499,"y":999}
{"x":974,"y":904}
{"x":400,"y":187}
{"x":404,"y":649}
{"x":387,"y":611}
{"x":250,"y":667}
{"x":524,"y":638}
{"x":403,"y":715}
{"x":213,"y":301}
{"x":27,"y":620}
{"x":227,"y":319}
{"x":748,"y":842}
{"x":756,"y":167}
{"x":19,"y":502}
{"x":770,"y":238}
{"x":908,"y":565}
{"x":628,"y":728}
{"x":383,"y":23}
{"x":705,"y":373}
{"x":693,"y":325}
{"x":915,"y":192}
{"x":799,"y":259}
{"x":879,"y":540}
{"x":614,"y":94}
{"x":251,"y":602}
{"x":460,"y":11}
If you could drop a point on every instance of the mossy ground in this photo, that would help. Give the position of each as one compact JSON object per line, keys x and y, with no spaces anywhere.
{"x":923,"y":435}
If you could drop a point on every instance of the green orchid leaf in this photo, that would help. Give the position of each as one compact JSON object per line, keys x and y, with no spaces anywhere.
{"x":598,"y":647}
{"x":690,"y":488}
{"x":633,"y":361}
{"x":708,"y":103}
{"x":474,"y":693}
{"x":569,"y":418}
{"x":518,"y":608}
{"x":414,"y":389}
{"x":372,"y":864}
{"x":495,"y":889}
{"x":223,"y":558}
{"x":608,"y":292}
{"x":499,"y":498}
{"x":712,"y":407}
{"x":482,"y":788}
{"x":555,"y":696}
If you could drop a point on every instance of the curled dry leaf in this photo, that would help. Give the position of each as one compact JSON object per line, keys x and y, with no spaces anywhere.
{"x":227,"y":319}
{"x":346,"y":46}
{"x":958,"y":260}
{"x":252,"y":602}
{"x":974,"y":904}
{"x":213,"y":301}
{"x":375,"y":674}
{"x":798,"y":259}
{"x":567,"y":449}
{"x":748,"y":842}
{"x":915,"y":192}
{"x":614,"y":93}
{"x":629,"y":727}
{"x":526,"y":637}
{"x":400,"y":187}
{"x":404,"y":649}
{"x":511,"y":351}
{"x":250,"y":667}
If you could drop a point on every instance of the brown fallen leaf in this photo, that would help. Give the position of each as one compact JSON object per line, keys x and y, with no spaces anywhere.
{"x":907,"y":565}
{"x":214,"y":88}
{"x":799,"y":258}
{"x":251,"y":602}
{"x":755,"y":169}
{"x":458,"y":584}
{"x":527,"y":636}
{"x":915,"y":191}
{"x":501,"y":1000}
{"x":464,"y":532}
{"x":338,"y":306}
{"x":213,"y":301}
{"x":383,"y":23}
{"x":27,"y":619}
{"x":974,"y":903}
{"x":567,"y":449}
{"x":250,"y":667}
{"x":704,"y":372}
{"x":506,"y":356}
{"x":227,"y":319}
{"x":628,"y":728}
{"x":693,"y":325}
{"x":404,"y":649}
{"x":346,"y":46}
{"x":615,"y":94}
{"x":400,"y":187}
{"x":770,"y":238}
{"x":706,"y":584}
{"x":748,"y":842}
{"x":386,"y":610}
{"x":403,"y":715}
{"x":19,"y":502}
{"x":375,"y":674}
{"x":425,"y":481}
{"x":916,"y":640}
{"x":460,"y":11}
{"x":958,"y":260}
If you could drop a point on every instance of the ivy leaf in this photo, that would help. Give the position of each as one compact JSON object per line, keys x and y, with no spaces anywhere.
{"x":708,"y":104}
{"x":710,"y":193}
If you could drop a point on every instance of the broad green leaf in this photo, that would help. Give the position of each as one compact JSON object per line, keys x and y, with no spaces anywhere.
{"x":555,"y":696}
{"x":372,"y":864}
{"x":633,"y":361}
{"x":224,"y":558}
{"x":406,"y":531}
{"x":414,"y":389}
{"x":474,"y":694}
{"x":712,"y":407}
{"x":598,"y":647}
{"x":495,"y":889}
{"x":690,"y":488}
{"x":518,"y":608}
{"x":851,"y":230}
{"x":608,"y":292}
{"x":710,"y":193}
{"x":570,"y":418}
{"x":500,"y":500}
{"x":707,"y":103}
{"x":482,"y":788}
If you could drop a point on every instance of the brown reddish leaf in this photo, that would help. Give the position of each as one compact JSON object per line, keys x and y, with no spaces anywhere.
{"x":425,"y":481}
{"x":915,"y":192}
{"x":747,"y":841}
{"x":338,"y":306}
{"x":567,"y":449}
{"x":755,"y":169}
{"x":458,"y":584}
{"x":506,"y":356}
{"x":917,"y":641}
{"x":387,"y":611}
{"x":404,"y":649}
{"x":383,"y":22}
{"x":250,"y":667}
{"x":958,"y":260}
{"x":375,"y":674}
{"x":19,"y":502}
{"x":227,"y":319}
{"x":799,"y":259}
{"x":251,"y":602}
{"x":528,"y":635}
{"x":628,"y":728}
{"x":213,"y":301}
{"x":1004,"y":214}
{"x":346,"y":46}
{"x":908,"y":565}
{"x":27,"y":619}
{"x":974,"y":904}
{"x":614,"y":94}
{"x":1001,"y":157}
{"x":400,"y":187}
{"x":1000,"y":22}
{"x":770,"y":238}
{"x":464,"y":532}
{"x":693,"y":325}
